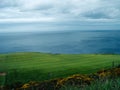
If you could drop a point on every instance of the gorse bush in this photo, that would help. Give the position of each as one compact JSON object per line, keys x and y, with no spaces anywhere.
{"x":108,"y":84}
{"x":77,"y":79}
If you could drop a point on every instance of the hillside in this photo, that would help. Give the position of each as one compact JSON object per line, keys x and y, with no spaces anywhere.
{"x":24,"y":67}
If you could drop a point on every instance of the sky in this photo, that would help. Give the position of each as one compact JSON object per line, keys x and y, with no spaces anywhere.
{"x":50,"y":15}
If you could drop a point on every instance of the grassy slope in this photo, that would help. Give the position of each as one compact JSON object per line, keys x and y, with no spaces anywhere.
{"x":39,"y":66}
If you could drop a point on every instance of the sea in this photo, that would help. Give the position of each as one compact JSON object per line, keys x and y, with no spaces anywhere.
{"x":62,"y":42}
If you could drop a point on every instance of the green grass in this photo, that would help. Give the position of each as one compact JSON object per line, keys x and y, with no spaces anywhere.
{"x":2,"y":80}
{"x":25,"y":67}
{"x":108,"y":84}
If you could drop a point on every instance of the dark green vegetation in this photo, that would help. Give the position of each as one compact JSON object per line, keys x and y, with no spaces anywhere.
{"x":108,"y":84}
{"x":24,"y":67}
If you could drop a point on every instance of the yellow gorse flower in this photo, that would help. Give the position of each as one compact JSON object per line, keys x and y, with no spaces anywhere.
{"x":25,"y":86}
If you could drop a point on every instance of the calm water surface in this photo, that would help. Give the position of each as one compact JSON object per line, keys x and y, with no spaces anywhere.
{"x":72,"y":42}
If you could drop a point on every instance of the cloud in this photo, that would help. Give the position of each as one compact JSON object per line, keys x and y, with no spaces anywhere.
{"x":8,"y":3}
{"x":59,"y":10}
{"x":102,"y":13}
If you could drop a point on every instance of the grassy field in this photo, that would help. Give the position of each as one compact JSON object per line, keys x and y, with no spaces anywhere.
{"x":24,"y":67}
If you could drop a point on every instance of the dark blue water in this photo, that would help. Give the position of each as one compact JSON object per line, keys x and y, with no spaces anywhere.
{"x":72,"y":42}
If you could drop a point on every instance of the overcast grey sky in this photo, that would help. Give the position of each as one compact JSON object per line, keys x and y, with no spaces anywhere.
{"x":41,"y":15}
